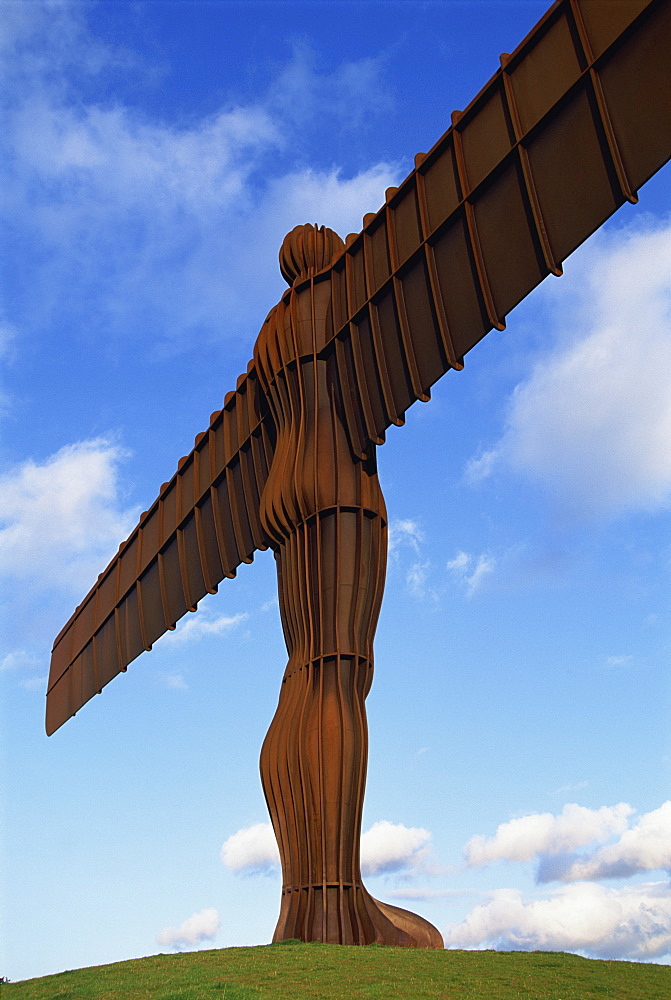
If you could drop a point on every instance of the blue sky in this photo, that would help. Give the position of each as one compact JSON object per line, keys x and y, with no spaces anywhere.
{"x":519,"y":766}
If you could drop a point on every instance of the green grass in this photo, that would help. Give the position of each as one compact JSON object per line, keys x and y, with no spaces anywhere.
{"x":332,"y":972}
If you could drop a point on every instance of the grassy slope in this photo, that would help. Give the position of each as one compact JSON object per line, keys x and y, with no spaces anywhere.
{"x":331,"y":972}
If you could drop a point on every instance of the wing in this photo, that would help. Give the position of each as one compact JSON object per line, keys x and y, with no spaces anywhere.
{"x":202,"y":526}
{"x":574,"y":121}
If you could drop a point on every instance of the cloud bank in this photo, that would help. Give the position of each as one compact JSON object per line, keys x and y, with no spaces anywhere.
{"x":542,"y":833}
{"x":631,"y":923}
{"x":645,"y":847}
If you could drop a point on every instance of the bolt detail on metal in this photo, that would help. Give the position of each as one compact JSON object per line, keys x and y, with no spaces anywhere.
{"x":572,"y":124}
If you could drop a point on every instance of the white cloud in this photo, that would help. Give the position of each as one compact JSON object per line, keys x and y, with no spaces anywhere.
{"x":385,"y":848}
{"x":61,"y":519}
{"x":8,"y":343}
{"x":592,"y":422}
{"x":416,"y":578}
{"x":542,"y":833}
{"x":325,"y":197}
{"x":631,"y":923}
{"x":644,"y":847}
{"x":8,"y":335}
{"x":176,"y":682}
{"x":18,"y":659}
{"x":392,"y":847}
{"x":303,"y":90}
{"x":140,"y":219}
{"x":201,"y":625}
{"x":460,"y":563}
{"x":140,"y":213}
{"x":404,"y":531}
{"x":472,"y":571}
{"x":252,"y":849}
{"x":619,"y":661}
{"x":570,"y":788}
{"x":201,"y":926}
{"x":35,"y":683}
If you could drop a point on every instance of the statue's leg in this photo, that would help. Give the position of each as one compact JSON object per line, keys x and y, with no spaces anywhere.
{"x":313,"y":762}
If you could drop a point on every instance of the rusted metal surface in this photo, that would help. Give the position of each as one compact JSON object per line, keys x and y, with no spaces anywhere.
{"x":572,"y":124}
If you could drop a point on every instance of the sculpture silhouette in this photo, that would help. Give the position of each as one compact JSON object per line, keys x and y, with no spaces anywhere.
{"x":576,"y":119}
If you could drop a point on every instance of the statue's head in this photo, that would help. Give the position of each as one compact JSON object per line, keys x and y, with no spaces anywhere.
{"x":306,"y":250}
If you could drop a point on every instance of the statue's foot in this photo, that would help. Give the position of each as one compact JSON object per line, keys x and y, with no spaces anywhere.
{"x":421,"y":933}
{"x":350,"y":915}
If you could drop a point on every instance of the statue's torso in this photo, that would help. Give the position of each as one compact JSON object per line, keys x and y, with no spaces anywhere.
{"x":313,"y":467}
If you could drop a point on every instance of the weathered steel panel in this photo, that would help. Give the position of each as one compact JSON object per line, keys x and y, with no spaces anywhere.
{"x":131,"y":628}
{"x":405,"y":223}
{"x":486,"y":135}
{"x":149,"y":529}
{"x":636,"y":81}
{"x":378,"y":267}
{"x":441,"y":184}
{"x":376,"y":414}
{"x":577,"y":193}
{"x":545,"y":69}
{"x":193,"y":570}
{"x":106,"y":655}
{"x":391,"y":353}
{"x":153,"y":615}
{"x":356,"y":278}
{"x":506,"y":229}
{"x":458,"y":282}
{"x":605,"y":21}
{"x":422,"y":323}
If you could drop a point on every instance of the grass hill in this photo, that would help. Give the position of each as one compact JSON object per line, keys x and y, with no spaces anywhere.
{"x":331,"y":972}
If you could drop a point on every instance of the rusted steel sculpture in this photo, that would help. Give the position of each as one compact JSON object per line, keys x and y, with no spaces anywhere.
{"x":574,"y":121}
{"x":323,"y":512}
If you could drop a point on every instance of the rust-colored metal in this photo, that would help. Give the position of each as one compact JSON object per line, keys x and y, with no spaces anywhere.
{"x":572,"y":124}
